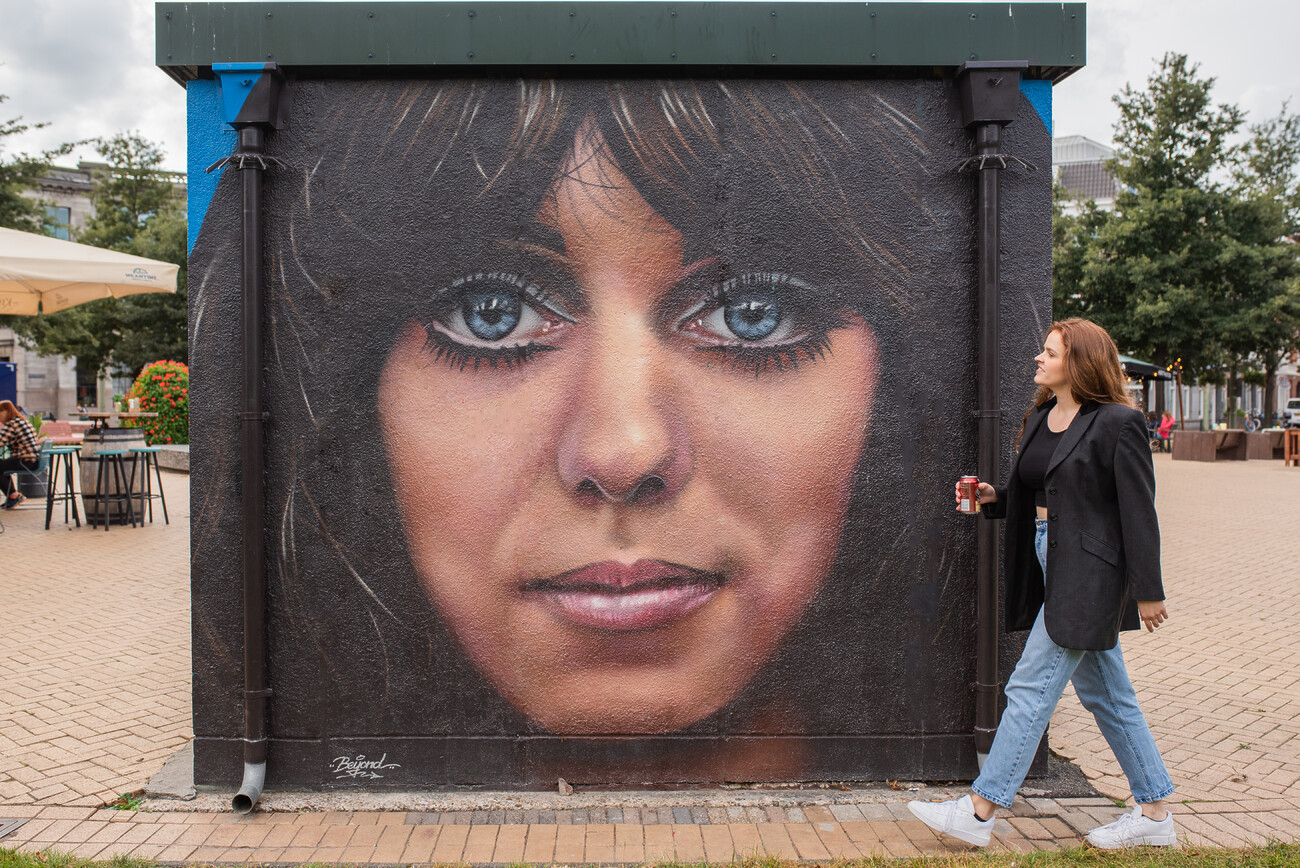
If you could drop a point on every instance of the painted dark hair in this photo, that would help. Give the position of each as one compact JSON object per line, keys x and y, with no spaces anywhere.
{"x":389,"y":186}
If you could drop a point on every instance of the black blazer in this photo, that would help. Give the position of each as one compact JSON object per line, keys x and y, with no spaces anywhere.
{"x":1103,"y":539}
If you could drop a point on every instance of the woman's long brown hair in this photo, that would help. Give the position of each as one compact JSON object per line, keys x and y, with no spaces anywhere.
{"x":1091,"y":366}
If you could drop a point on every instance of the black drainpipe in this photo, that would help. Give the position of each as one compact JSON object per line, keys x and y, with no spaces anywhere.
{"x":260,"y":87}
{"x":990,"y":94}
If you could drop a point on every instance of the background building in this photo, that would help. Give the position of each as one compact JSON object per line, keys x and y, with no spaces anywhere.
{"x":1079,"y":164}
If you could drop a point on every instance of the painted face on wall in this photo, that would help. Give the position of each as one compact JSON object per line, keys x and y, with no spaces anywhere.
{"x":622,"y":474}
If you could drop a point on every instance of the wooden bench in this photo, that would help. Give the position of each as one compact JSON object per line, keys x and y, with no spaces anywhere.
{"x":1227,"y":445}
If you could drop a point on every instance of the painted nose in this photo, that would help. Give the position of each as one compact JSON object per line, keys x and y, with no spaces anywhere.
{"x":624,"y":441}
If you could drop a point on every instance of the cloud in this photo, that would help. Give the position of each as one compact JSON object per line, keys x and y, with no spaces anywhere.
{"x":87,"y":69}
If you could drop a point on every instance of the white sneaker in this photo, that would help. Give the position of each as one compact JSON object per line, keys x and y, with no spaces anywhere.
{"x":1134,"y":829}
{"x":955,"y":817}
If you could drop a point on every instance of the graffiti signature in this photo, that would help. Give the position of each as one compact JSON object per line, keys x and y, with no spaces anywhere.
{"x":360,"y":767}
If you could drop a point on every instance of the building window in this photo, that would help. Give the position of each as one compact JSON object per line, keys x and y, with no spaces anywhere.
{"x":58,"y":221}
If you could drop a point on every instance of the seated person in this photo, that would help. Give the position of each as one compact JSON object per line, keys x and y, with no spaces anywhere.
{"x":1165,"y":429}
{"x":17,"y":434}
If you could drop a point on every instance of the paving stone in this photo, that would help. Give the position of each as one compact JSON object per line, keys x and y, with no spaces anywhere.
{"x":1220,"y":698}
{"x":1207,"y":678}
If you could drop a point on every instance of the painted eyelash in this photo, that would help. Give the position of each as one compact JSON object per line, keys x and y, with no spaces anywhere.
{"x":745,"y":358}
{"x":759,"y":358}
{"x":460,"y":356}
{"x":718,"y":294}
{"x":538,"y":295}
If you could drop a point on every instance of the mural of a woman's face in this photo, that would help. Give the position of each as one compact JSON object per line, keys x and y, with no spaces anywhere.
{"x":622,"y":475}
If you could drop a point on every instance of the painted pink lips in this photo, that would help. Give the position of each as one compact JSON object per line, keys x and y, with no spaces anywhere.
{"x":614,"y":596}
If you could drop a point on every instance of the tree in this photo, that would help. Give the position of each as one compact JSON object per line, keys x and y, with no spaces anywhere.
{"x":21,"y":174}
{"x":1265,"y":321}
{"x":137,"y":211}
{"x":1269,"y":168}
{"x":1153,"y":273}
{"x":1170,"y":137}
{"x":1072,"y":243}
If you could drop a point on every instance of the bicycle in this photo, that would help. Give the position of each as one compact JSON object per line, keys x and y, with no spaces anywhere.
{"x":1254,"y":422}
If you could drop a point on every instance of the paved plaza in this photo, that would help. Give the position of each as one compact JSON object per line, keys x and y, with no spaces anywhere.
{"x":95,"y":684}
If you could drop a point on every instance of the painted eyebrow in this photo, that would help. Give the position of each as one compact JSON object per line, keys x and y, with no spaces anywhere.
{"x":560,"y":268}
{"x":556,"y":269}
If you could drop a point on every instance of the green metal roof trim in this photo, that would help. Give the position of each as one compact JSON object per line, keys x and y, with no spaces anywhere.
{"x":193,"y":36}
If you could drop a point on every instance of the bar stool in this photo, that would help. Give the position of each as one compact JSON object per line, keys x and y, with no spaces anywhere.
{"x":61,"y":459}
{"x":150,"y":456}
{"x":121,"y":484}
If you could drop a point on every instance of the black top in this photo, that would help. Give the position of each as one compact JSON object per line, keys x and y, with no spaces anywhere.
{"x":1034,"y":461}
{"x":1105,"y":543}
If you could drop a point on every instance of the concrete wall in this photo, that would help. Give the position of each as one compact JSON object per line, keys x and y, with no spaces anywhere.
{"x":46,"y":384}
{"x":613,"y":430}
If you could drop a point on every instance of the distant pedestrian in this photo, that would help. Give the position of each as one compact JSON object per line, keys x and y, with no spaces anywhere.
{"x":1083,"y":478}
{"x":17,"y":434}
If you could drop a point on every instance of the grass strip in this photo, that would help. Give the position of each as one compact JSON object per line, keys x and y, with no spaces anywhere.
{"x":1274,"y":855}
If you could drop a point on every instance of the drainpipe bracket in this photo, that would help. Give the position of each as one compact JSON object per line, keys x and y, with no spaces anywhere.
{"x":242,"y":160}
{"x":980,"y":162}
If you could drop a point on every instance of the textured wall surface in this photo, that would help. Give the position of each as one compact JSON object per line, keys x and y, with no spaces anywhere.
{"x":613,"y":431}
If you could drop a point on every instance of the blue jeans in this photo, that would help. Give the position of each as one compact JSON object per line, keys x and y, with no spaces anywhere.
{"x":1102,"y":684}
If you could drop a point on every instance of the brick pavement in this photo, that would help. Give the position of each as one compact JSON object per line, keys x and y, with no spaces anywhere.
{"x":94,"y":694}
{"x":1220,"y":681}
{"x":94,"y":653}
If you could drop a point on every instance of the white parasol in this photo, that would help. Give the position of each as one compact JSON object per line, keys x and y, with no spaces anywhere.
{"x":43,"y":274}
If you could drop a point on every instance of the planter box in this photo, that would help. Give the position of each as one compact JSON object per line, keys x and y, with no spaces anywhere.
{"x":1266,"y":445}
{"x":1229,"y":445}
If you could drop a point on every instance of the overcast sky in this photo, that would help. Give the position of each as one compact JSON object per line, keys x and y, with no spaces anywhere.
{"x":86,"y":66}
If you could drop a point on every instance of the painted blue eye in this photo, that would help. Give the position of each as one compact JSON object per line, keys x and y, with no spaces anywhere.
{"x":752,"y":317}
{"x":491,"y":316}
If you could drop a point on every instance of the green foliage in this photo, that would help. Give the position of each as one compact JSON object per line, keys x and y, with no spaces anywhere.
{"x":138,"y":211}
{"x":37,"y":421}
{"x":1189,"y":269}
{"x":163,"y":388}
{"x":1269,"y":168}
{"x":16,"y":210}
{"x":128,"y":194}
{"x":127,"y":801}
{"x":1169,"y":135}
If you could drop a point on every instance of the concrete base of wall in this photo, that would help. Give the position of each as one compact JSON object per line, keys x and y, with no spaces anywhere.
{"x":175,"y":458}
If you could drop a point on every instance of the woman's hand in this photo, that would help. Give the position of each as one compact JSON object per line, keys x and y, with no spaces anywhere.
{"x":1152,"y":613}
{"x":984,"y":494}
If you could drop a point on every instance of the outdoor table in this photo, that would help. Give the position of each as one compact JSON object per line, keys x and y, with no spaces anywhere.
{"x":99,"y":418}
{"x":101,"y":437}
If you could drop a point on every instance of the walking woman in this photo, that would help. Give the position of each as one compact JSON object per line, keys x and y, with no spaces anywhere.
{"x":17,"y":435}
{"x":1083,"y":482}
